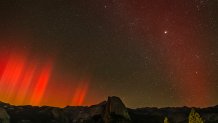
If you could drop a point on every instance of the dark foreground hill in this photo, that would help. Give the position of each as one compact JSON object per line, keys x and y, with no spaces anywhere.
{"x":110,"y":111}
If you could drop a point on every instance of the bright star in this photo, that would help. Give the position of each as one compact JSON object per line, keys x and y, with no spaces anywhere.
{"x":165,"y":32}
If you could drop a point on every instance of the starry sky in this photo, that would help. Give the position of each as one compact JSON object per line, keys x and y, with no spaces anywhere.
{"x":148,"y":52}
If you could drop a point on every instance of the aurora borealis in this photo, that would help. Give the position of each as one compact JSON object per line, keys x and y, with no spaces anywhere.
{"x":148,"y":52}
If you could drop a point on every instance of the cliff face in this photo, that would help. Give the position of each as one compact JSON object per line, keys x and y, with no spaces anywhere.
{"x":115,"y":111}
{"x":111,"y":111}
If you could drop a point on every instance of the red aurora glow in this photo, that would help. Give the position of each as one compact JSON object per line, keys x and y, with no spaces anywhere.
{"x":27,"y":81}
{"x":80,"y":94}
{"x":41,"y":84}
{"x":170,"y":27}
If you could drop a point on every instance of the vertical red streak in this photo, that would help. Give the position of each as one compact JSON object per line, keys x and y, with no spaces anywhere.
{"x":3,"y":63}
{"x":11,"y":76}
{"x":16,"y":74}
{"x":41,"y":85}
{"x":25,"y":84}
{"x":80,"y":94}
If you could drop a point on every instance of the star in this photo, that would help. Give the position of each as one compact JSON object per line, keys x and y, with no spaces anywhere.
{"x":165,"y":32}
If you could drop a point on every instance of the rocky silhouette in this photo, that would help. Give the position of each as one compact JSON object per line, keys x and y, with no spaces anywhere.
{"x":111,"y":111}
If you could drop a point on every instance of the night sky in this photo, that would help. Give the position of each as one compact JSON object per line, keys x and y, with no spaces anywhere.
{"x":77,"y":52}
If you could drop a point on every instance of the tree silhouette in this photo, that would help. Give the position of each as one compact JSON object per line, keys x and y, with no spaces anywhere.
{"x":166,"y":120}
{"x":195,"y":117}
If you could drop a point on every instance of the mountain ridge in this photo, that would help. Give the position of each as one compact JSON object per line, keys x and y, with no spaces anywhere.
{"x":111,"y":111}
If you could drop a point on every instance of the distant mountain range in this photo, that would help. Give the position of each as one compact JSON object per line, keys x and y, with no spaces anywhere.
{"x":111,"y":111}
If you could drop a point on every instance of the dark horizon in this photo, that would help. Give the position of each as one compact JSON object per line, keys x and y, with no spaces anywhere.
{"x":96,"y":104}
